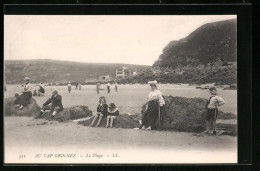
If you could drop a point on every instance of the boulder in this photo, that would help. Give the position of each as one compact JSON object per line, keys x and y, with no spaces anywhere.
{"x":185,"y":114}
{"x":31,"y":109}
{"x":72,"y":113}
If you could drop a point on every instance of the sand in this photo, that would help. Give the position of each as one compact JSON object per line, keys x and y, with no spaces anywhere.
{"x":26,"y":135}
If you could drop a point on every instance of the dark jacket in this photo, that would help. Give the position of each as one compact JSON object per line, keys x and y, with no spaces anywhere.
{"x":55,"y":101}
{"x":102,"y":108}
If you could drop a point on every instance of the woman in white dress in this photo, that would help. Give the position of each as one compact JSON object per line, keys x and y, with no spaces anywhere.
{"x":150,"y":117}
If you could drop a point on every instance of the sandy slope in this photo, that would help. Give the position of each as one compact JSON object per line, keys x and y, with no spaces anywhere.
{"x":24,"y":135}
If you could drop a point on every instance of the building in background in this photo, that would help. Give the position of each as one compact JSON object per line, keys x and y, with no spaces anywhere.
{"x":124,"y":73}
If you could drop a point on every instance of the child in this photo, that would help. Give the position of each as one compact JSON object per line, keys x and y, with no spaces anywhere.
{"x":212,"y":109}
{"x":34,"y":93}
{"x":112,"y":114}
{"x":101,"y":111}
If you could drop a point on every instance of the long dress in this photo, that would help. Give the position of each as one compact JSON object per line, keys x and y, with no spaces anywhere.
{"x":151,"y":114}
{"x":25,"y":97}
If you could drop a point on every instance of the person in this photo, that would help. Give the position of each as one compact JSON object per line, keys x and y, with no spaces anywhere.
{"x":116,"y":86}
{"x":24,"y":99}
{"x":212,"y":109}
{"x":150,"y":117}
{"x":54,"y":103}
{"x":79,"y":85}
{"x":112,"y":114}
{"x":98,"y":88}
{"x":108,"y":87}
{"x":101,"y":111}
{"x":34,"y":93}
{"x":69,"y":86}
{"x":76,"y":85}
{"x":41,"y":90}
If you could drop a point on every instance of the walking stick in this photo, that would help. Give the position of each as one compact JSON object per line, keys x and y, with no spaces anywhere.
{"x":159,"y":116}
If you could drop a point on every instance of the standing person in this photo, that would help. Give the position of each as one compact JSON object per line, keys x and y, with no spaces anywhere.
{"x":116,"y":86}
{"x":79,"y":85}
{"x":76,"y":85}
{"x":69,"y":86}
{"x":108,"y":87}
{"x":150,"y":117}
{"x":41,"y":90}
{"x":112,"y":113}
{"x":101,"y":111}
{"x":98,"y":88}
{"x":55,"y":106}
{"x":212,"y":109}
{"x":24,"y":99}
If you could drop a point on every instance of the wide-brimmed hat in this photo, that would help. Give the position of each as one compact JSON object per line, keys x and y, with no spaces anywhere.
{"x":112,"y":105}
{"x":26,"y":79}
{"x":152,"y":82}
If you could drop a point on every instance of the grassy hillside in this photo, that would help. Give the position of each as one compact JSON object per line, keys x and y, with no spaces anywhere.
{"x":52,"y":71}
{"x":209,"y":43}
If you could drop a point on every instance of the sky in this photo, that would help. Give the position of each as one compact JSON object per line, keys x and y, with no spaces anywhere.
{"x":127,"y":39}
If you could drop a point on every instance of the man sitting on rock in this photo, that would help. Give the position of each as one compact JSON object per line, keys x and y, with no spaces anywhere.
{"x":55,"y":106}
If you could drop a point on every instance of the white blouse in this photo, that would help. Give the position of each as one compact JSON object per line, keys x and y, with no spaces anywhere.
{"x":156,"y":95}
{"x":28,"y":87}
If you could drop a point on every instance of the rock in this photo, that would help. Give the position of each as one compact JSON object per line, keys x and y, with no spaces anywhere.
{"x":122,"y":121}
{"x":72,"y":113}
{"x":230,"y":87}
{"x":185,"y":114}
{"x":31,"y":109}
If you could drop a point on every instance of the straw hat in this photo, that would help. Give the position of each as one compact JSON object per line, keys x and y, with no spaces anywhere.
{"x":26,"y":79}
{"x":152,"y":82}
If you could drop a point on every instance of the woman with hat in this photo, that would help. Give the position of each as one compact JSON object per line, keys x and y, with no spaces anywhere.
{"x":24,"y":99}
{"x":150,"y":117}
{"x":112,"y":113}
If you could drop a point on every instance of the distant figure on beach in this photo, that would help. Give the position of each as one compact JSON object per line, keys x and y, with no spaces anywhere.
{"x":116,"y":87}
{"x":79,"y":85}
{"x":111,"y":114}
{"x":151,"y":118}
{"x":69,"y":86}
{"x":24,"y":99}
{"x":101,"y":111}
{"x":212,"y":109}
{"x":41,"y":90}
{"x":98,"y":88}
{"x":5,"y":88}
{"x":54,"y":103}
{"x":76,"y":85}
{"x":108,"y":87}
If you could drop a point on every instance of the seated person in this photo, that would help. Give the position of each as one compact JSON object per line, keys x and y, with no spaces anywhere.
{"x":54,"y":103}
{"x":41,"y":90}
{"x":112,"y":113}
{"x":34,"y":93}
{"x":101,"y":111}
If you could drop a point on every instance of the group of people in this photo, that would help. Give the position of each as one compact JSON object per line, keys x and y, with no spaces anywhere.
{"x":149,"y":120}
{"x":41,"y":90}
{"x":108,"y":87}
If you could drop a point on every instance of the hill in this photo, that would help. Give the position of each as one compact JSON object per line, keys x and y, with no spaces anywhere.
{"x":207,"y":55}
{"x":53,"y":71}
{"x":209,"y":43}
